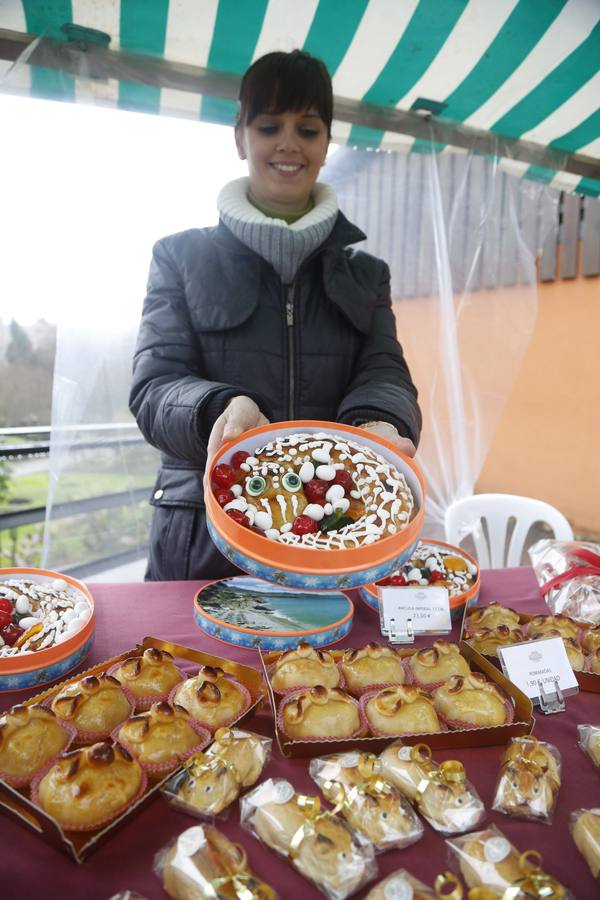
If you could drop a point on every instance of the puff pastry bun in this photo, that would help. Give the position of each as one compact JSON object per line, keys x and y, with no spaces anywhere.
{"x":595,"y":662}
{"x":90,"y":786}
{"x":491,"y":616}
{"x":94,"y":705}
{"x":211,"y":697}
{"x":30,"y":736}
{"x":437,"y":663}
{"x":471,"y":699}
{"x":543,"y":624}
{"x":321,"y":712}
{"x":574,"y":651}
{"x":591,"y":640}
{"x":150,"y":676}
{"x":161,"y":734}
{"x":487,"y":640}
{"x":304,"y":667}
{"x":402,"y":710}
{"x":373,"y":664}
{"x":586,"y":834}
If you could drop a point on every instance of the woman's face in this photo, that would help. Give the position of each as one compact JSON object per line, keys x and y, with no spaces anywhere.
{"x":284,"y":152}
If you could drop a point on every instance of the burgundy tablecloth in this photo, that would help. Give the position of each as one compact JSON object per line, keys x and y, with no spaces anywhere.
{"x":31,"y":870}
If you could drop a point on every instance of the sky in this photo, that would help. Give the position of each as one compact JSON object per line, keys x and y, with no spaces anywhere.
{"x":85,"y":193}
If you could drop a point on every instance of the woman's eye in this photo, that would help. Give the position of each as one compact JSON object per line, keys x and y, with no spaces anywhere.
{"x":291,"y":482}
{"x":267,"y":129}
{"x":309,"y":132}
{"x":256,"y":485}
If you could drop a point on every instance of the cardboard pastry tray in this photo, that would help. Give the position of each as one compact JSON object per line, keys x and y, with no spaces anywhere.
{"x":446,"y":740}
{"x":587,"y":681}
{"x":78,"y":845}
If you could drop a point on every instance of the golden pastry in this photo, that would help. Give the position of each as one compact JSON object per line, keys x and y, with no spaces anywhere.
{"x":543,"y":624}
{"x":491,"y":616}
{"x":487,"y":858}
{"x":401,"y":884}
{"x":529,"y":780}
{"x":434,"y":664}
{"x":368,"y":802}
{"x":320,"y":712}
{"x":574,"y":651}
{"x":94,"y":705}
{"x":487,"y":640}
{"x":30,"y":736}
{"x":371,"y":665}
{"x":149,"y":677}
{"x":472,"y":700}
{"x":211,"y":697}
{"x":591,"y":640}
{"x":595,"y":662}
{"x":161,"y":737}
{"x":402,"y":710}
{"x":586,"y":834}
{"x":305,"y":666}
{"x":90,"y":786}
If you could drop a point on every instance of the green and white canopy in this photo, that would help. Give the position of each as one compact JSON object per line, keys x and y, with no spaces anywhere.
{"x":519,"y":78}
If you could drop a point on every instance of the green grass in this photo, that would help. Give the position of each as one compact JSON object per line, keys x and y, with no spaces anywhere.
{"x":27,"y":491}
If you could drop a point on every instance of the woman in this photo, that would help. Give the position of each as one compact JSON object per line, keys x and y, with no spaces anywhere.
{"x":268,"y":316}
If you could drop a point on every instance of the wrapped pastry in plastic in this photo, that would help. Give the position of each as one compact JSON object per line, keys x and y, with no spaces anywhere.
{"x":211,"y":781}
{"x":487,"y":859}
{"x":529,"y":780}
{"x":203,"y":863}
{"x":370,"y":804}
{"x":585,"y":829}
{"x":589,"y":741}
{"x":440,"y":791}
{"x":318,"y":843}
{"x":568,"y":573}
{"x":399,"y":885}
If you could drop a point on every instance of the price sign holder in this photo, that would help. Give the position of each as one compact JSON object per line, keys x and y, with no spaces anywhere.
{"x":405,"y":612}
{"x":541,"y":669}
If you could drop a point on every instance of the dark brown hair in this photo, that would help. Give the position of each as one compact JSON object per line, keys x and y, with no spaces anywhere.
{"x":279,"y":81}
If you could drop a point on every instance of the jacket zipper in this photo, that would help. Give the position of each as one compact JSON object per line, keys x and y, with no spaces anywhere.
{"x":289,"y":313}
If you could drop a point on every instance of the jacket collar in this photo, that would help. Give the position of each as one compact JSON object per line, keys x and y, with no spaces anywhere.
{"x":342,"y":234}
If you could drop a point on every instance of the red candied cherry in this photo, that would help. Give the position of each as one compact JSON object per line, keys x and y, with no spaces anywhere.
{"x":238,"y":516}
{"x":238,"y":458}
{"x":5,"y":617}
{"x":304,"y":525}
{"x":6,"y":605}
{"x":10,"y":634}
{"x":224,"y":496}
{"x":398,"y":580}
{"x":436,"y":576}
{"x":315,"y":491}
{"x":223,"y":475}
{"x":343,"y":477}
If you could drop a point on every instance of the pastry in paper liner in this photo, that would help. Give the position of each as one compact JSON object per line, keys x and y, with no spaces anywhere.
{"x":401,"y":885}
{"x":31,"y":738}
{"x":542,"y":624}
{"x":573,"y":649}
{"x":488,"y":640}
{"x":112,"y":766}
{"x":491,"y":616}
{"x":203,"y":864}
{"x":211,"y":781}
{"x":95,"y":700}
{"x":472,"y":702}
{"x":590,"y":639}
{"x":589,"y":741}
{"x":400,"y":710}
{"x":148,"y":678}
{"x":430,"y":667}
{"x":585,"y":831}
{"x":304,"y":667}
{"x":593,"y":662}
{"x":180,"y":736}
{"x":320,"y":713}
{"x":370,"y":667}
{"x":353,"y":783}
{"x":317,"y":842}
{"x":529,"y":780}
{"x":212,"y":698}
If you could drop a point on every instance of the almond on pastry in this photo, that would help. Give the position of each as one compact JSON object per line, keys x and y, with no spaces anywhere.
{"x":306,"y":666}
{"x":543,"y":624}
{"x":402,"y":710}
{"x":591,"y":640}
{"x":438,"y":663}
{"x":487,"y":640}
{"x":151,"y":675}
{"x":162,"y":734}
{"x":321,"y":712}
{"x":211,"y":697}
{"x":372,"y":664}
{"x":94,"y":705}
{"x":30,"y":736}
{"x":471,"y":699}
{"x":491,"y":616}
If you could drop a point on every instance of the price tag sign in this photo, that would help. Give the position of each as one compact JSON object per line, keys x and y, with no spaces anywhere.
{"x":538,"y":667}
{"x":407,"y":611}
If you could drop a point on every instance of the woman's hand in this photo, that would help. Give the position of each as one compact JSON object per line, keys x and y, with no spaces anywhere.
{"x":386,"y":430}
{"x":241,"y":413}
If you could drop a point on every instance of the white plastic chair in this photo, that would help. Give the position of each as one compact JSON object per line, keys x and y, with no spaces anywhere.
{"x":493,"y":513}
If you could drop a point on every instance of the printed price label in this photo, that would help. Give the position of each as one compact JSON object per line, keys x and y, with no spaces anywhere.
{"x":417,"y":609}
{"x":538,"y":662}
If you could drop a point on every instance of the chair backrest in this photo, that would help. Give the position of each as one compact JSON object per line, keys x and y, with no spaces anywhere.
{"x":493,"y":513}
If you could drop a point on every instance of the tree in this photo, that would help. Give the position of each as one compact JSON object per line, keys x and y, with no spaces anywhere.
{"x":20,"y":349}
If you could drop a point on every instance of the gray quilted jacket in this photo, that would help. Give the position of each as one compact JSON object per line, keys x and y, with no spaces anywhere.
{"x":218,"y":322}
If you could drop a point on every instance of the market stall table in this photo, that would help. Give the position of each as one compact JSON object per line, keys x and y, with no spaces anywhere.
{"x":31,"y":870}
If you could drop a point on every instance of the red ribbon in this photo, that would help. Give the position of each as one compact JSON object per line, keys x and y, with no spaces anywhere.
{"x":586,"y":556}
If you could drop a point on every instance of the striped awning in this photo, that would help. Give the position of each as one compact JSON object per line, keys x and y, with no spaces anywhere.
{"x":522,"y":73}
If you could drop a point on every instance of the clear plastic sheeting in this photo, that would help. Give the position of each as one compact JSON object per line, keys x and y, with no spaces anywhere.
{"x":461,"y":238}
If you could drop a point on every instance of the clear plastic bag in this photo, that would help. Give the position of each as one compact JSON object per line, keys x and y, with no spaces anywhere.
{"x":211,"y":781}
{"x":203,"y":863}
{"x":589,"y":741}
{"x":568,"y":573}
{"x":487,"y":859}
{"x":400,"y":885}
{"x":440,"y":791}
{"x":369,"y":804}
{"x":584,"y":825}
{"x":127,"y":895}
{"x":318,"y":843}
{"x":529,"y":780}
